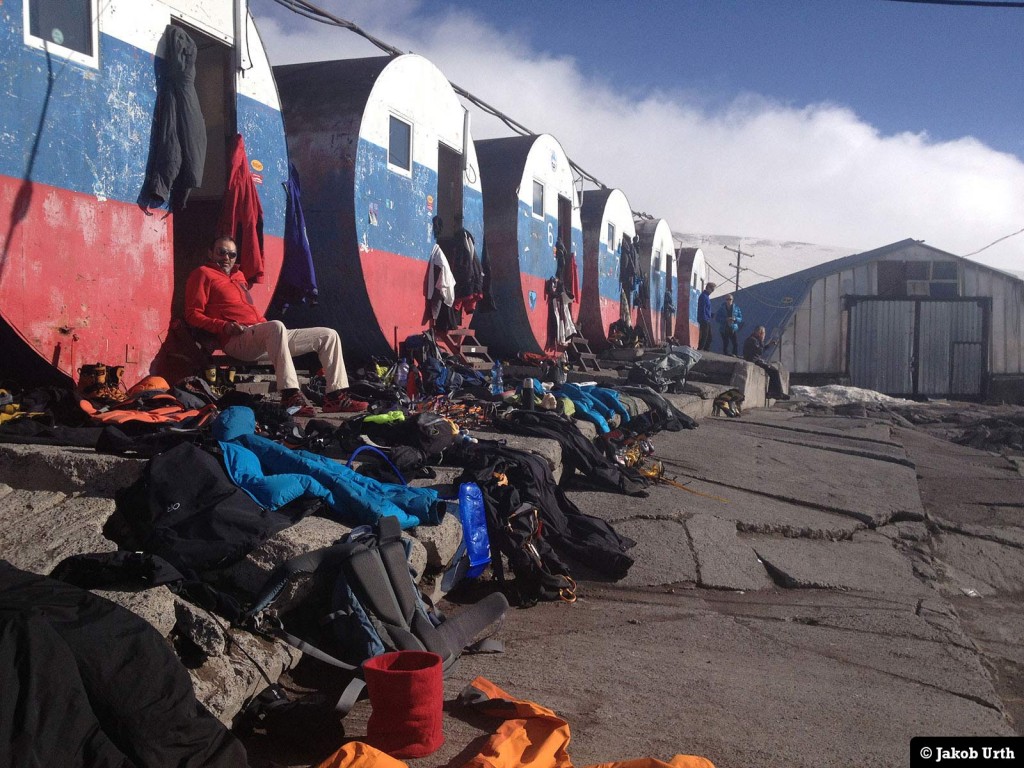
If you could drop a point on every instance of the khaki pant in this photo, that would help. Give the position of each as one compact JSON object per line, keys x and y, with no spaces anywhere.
{"x":272,"y":341}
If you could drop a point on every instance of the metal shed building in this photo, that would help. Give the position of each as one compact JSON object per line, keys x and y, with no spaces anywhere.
{"x":529,"y":204}
{"x":607,"y":219}
{"x":657,"y":255}
{"x":691,"y":277}
{"x":87,"y":276}
{"x":382,"y":145}
{"x":906,"y":319}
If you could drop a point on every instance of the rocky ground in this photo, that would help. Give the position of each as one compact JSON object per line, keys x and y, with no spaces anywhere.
{"x":829,"y":583}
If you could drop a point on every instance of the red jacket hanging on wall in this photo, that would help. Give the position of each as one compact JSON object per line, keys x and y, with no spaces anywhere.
{"x":242,"y":215}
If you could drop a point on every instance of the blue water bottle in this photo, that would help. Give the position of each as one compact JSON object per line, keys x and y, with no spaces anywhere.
{"x":474,"y":528}
{"x":497,"y":383}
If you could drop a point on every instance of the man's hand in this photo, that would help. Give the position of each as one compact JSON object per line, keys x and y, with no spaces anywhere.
{"x":235,"y":329}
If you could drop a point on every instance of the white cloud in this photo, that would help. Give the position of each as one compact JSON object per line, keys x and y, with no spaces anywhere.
{"x":815,"y":174}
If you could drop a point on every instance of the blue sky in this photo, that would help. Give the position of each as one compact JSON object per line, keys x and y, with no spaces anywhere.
{"x":848,"y":123}
{"x":950,"y":71}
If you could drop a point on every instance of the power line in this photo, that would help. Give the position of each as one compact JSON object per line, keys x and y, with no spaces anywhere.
{"x":968,"y":3}
{"x":315,"y":13}
{"x":1004,"y":237}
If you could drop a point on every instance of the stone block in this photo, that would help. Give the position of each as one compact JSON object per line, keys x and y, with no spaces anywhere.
{"x":57,"y":468}
{"x":38,"y":528}
{"x":155,"y":605}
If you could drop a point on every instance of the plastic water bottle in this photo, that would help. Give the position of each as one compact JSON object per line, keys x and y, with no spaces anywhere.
{"x":474,"y":528}
{"x":402,"y":373}
{"x":497,"y":383}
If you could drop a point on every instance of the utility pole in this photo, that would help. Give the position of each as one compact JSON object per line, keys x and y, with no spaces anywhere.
{"x":739,"y":257}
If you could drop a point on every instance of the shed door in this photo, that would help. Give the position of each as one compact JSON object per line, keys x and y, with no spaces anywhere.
{"x":882,"y":346}
{"x":919,"y":347}
{"x":951,"y":351}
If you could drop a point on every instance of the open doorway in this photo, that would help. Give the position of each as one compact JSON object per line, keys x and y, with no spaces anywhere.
{"x":449,"y":196}
{"x":565,"y":222}
{"x":194,"y":225}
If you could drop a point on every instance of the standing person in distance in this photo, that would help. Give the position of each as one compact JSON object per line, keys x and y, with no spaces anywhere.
{"x":704,"y":316}
{"x":730,"y":318}
{"x":217,"y":301}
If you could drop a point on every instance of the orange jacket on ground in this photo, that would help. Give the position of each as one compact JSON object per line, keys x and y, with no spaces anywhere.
{"x":531,"y":735}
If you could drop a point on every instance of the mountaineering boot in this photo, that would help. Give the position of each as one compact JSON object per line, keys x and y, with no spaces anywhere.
{"x":339,"y":402}
{"x":297,"y":401}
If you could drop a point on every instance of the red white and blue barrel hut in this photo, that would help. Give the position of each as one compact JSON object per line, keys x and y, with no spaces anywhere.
{"x":607,"y":219}
{"x":382,"y":146}
{"x":530,"y":203}
{"x":691,"y":277}
{"x":657,"y":257}
{"x":86,"y":274}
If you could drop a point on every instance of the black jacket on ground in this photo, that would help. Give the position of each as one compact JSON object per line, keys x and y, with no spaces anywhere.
{"x":578,"y":452}
{"x":584,"y":538}
{"x":87,"y":683}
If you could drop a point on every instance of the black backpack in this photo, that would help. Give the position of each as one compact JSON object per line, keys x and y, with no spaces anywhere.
{"x":366,"y":603}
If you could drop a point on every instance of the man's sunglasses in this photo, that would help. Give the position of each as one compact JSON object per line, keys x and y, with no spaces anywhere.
{"x":227,"y":252}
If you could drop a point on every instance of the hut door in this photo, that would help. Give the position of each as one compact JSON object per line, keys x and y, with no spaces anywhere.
{"x":449,"y":195}
{"x":565,"y":222}
{"x":194,"y":226}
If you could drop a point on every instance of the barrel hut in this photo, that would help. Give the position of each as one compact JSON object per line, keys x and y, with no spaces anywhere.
{"x":691,"y":277}
{"x":607,"y":223}
{"x":383,"y":146}
{"x":906,"y":319}
{"x":96,"y":233}
{"x":655,"y":312}
{"x":530,"y":204}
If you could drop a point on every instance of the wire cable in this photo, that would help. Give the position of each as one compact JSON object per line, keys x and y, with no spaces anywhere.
{"x":314,"y":13}
{"x":994,"y":242}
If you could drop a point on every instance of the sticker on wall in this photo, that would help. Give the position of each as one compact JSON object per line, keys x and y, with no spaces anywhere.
{"x":257,"y":178}
{"x":430,"y":203}
{"x":533,"y":300}
{"x":256,"y":165}
{"x":554,"y":160}
{"x":373,"y":214}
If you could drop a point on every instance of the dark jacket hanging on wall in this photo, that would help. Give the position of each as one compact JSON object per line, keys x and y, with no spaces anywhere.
{"x":88,"y":683}
{"x":178,"y":151}
{"x":297,"y":283}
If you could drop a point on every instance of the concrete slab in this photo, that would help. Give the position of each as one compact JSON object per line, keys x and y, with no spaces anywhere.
{"x":869,"y":563}
{"x":865,"y":489}
{"x":661,"y":556}
{"x":744,"y":680}
{"x":724,"y":561}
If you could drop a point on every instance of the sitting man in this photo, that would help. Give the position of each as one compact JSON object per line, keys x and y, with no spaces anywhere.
{"x":217,"y":300}
{"x":753,"y":351}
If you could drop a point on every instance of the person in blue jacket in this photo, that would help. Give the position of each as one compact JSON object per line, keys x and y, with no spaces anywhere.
{"x":704,"y":316}
{"x":730,"y":319}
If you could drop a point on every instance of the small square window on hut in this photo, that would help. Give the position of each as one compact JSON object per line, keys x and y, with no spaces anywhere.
{"x":538,"y":199}
{"x":944,"y":270}
{"x":400,"y":144}
{"x":63,"y":27}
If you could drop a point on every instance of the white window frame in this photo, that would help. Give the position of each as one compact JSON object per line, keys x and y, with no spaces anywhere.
{"x":611,"y":236}
{"x":543,"y":200}
{"x":392,"y":166}
{"x":42,"y":44}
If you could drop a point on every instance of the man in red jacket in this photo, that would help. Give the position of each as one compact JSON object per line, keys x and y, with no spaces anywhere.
{"x":217,"y":300}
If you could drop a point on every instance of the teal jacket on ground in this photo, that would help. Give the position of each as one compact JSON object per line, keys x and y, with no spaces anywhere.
{"x":274,"y":475}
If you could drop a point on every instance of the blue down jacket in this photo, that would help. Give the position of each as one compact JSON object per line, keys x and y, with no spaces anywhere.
{"x":274,"y":475}
{"x":595,"y":404}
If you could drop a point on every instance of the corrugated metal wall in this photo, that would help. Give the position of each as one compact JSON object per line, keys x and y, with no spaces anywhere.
{"x":814,"y":340}
{"x":951,"y":352}
{"x":882,"y":346}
